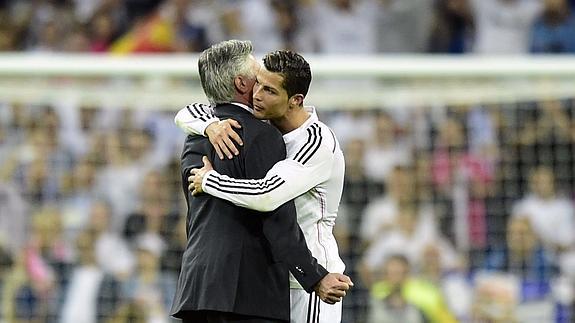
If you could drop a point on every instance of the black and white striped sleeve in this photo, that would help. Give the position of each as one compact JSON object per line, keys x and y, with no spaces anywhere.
{"x":195,"y":118}
{"x":286,"y":180}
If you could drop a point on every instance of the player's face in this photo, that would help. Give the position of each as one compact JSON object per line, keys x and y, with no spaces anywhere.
{"x":270,"y":98}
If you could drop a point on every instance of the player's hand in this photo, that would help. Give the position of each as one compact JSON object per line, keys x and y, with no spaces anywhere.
{"x":197,"y":176}
{"x":221,"y":134}
{"x":332,"y":288}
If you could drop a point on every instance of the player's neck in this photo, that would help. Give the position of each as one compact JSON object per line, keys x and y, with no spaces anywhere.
{"x":292,"y":120}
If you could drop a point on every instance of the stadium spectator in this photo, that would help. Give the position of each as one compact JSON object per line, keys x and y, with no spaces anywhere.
{"x":48,"y":255}
{"x":14,"y":217}
{"x":176,"y":200}
{"x":553,"y":30}
{"x":153,"y":215}
{"x":494,"y":291}
{"x":358,"y":190}
{"x":120,"y":13}
{"x":452,"y":281}
{"x":34,"y":288}
{"x":410,"y":236}
{"x":359,"y":187}
{"x":403,"y":26}
{"x":482,"y":132}
{"x":91,"y":295}
{"x":353,"y":125}
{"x":48,"y":39}
{"x":459,"y":177}
{"x":380,"y":215}
{"x":389,"y":148}
{"x":171,"y":261}
{"x":211,"y":16}
{"x":113,"y":254}
{"x":130,"y":312}
{"x":77,"y":195}
{"x":33,"y":177}
{"x":130,"y":157}
{"x":452,"y":159}
{"x":398,"y":297}
{"x":422,"y":179}
{"x":542,"y":126}
{"x":391,"y":305}
{"x":521,"y":277}
{"x":525,"y":257}
{"x":39,"y":164}
{"x":78,"y":126}
{"x":118,"y":180}
{"x":17,"y":119}
{"x":7,"y":32}
{"x":550,"y":214}
{"x":22,"y":300}
{"x":190,"y":36}
{"x":102,"y":33}
{"x":148,"y":285}
{"x":6,"y":263}
{"x":503,"y":26}
{"x":337,"y":27}
{"x":452,"y":27}
{"x":78,"y":41}
{"x":246,"y":19}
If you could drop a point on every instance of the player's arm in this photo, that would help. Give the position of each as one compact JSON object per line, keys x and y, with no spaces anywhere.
{"x":194,"y":118}
{"x":285,"y":238}
{"x":286,"y":180}
{"x":199,"y":119}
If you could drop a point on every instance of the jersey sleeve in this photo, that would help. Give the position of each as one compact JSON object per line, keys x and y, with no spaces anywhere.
{"x":286,"y":240}
{"x":286,"y":180}
{"x":195,"y":118}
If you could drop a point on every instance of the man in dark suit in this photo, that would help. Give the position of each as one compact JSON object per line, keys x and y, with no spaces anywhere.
{"x":235,"y":267}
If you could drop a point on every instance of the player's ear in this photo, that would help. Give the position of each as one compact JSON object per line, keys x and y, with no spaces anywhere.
{"x":296,"y":99}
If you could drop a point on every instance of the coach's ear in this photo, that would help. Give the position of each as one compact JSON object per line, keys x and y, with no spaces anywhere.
{"x":242,"y":85}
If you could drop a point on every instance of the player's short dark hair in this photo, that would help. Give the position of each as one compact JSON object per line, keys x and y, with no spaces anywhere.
{"x":294,"y":69}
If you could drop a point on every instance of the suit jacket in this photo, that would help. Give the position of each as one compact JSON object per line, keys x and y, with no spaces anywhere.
{"x":236,"y":259}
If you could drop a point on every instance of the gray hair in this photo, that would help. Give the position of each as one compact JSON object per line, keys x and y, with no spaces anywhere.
{"x":220,"y":64}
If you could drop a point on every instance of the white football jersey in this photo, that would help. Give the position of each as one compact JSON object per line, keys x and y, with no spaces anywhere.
{"x":312,"y":175}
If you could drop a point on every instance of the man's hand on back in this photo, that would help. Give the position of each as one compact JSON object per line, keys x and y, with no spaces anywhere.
{"x":221,"y":134}
{"x":197,"y":176}
{"x":332,"y":288}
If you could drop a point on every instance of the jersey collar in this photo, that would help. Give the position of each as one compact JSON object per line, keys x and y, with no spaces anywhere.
{"x":292,"y":135}
{"x":243,"y":106}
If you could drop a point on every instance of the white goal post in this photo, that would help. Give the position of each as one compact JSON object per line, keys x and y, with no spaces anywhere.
{"x":339,"y":82}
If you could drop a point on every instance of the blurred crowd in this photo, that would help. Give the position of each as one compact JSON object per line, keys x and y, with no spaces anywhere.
{"x":449,"y":213}
{"x":311,"y":26}
{"x":462,"y":213}
{"x":91,"y":221}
